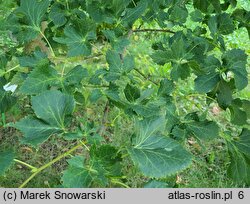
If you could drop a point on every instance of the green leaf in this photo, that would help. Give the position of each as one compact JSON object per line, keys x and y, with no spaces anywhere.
{"x":225,"y":24}
{"x":118,"y":43}
{"x":35,"y":131}
{"x":171,"y":115}
{"x":225,"y":95}
{"x":213,"y":25}
{"x":179,"y":56}
{"x":221,"y":24}
{"x":53,"y":107}
{"x":76,"y":175}
{"x":117,"y":66}
{"x":132,"y":93}
{"x":34,"y":11}
{"x":39,"y":80}
{"x":180,"y":71}
{"x":6,"y":159}
{"x":157,"y":155}
{"x":77,"y":41}
{"x":243,"y":17}
{"x":179,"y":133}
{"x":204,"y":130}
{"x":82,"y":173}
{"x":246,"y":107}
{"x":196,"y":16}
{"x":235,"y":60}
{"x":166,"y":88}
{"x":149,"y":110}
{"x":162,"y":57}
{"x":114,"y":60}
{"x":243,"y":143}
{"x":238,"y":114}
{"x":206,"y":83}
{"x":95,"y":95}
{"x":203,"y":5}
{"x":75,"y":75}
{"x":178,"y":48}
{"x":38,"y":59}
{"x":211,"y":64}
{"x":239,"y":169}
{"x":114,"y":95}
{"x":73,"y":135}
{"x":178,"y":14}
{"x":6,"y":100}
{"x":132,"y":14}
{"x":57,"y":14}
{"x":109,"y":158}
{"x":240,"y":74}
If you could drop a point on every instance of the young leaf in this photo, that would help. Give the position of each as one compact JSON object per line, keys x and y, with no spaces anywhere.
{"x":157,"y":155}
{"x":6,"y":158}
{"x":132,"y":93}
{"x":76,"y":176}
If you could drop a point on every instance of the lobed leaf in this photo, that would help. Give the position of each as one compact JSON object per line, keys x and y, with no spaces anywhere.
{"x":157,"y":155}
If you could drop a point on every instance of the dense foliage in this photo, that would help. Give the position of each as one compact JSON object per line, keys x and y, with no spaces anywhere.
{"x":48,"y":40}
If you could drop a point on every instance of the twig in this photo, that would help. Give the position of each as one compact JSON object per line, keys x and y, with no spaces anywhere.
{"x":26,"y":164}
{"x":145,"y":77}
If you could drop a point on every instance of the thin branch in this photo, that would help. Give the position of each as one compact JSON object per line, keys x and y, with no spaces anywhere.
{"x":47,"y":41}
{"x":11,"y":69}
{"x":120,"y":183}
{"x":145,"y":77}
{"x":50,"y":163}
{"x":26,"y":164}
{"x":153,"y":30}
